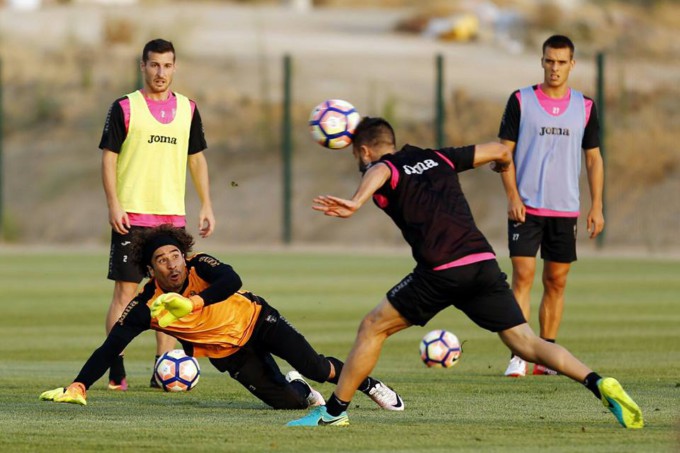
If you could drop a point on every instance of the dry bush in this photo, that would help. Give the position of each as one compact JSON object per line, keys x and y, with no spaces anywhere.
{"x":472,"y":119}
{"x":547,"y":16}
{"x":642,"y":152}
{"x":665,"y":13}
{"x":119,"y":30}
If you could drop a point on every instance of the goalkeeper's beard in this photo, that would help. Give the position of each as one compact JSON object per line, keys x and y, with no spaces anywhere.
{"x":174,"y":282}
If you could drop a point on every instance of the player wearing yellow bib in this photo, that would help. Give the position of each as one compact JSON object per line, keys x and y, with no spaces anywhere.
{"x":149,"y":139}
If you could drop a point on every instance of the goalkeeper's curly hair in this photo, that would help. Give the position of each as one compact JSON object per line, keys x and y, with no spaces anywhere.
{"x":145,"y":238}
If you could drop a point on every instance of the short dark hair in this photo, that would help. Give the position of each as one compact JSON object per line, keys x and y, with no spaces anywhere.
{"x":157,"y":46}
{"x":372,"y":132}
{"x":144,"y":238}
{"x":559,"y":42}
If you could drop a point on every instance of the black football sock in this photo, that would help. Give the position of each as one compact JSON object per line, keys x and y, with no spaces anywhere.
{"x":117,"y":370}
{"x":337,"y":365}
{"x":155,"y":361}
{"x":154,"y":382}
{"x":335,"y":406}
{"x":367,"y":385}
{"x":591,"y":384}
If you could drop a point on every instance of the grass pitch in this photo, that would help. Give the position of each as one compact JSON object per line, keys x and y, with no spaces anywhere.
{"x":622,"y":318}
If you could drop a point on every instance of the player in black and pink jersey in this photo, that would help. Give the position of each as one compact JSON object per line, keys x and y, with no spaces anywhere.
{"x":548,"y":127}
{"x":455,"y":265}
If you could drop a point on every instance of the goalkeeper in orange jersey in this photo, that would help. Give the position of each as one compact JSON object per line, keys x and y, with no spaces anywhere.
{"x":198,"y":300}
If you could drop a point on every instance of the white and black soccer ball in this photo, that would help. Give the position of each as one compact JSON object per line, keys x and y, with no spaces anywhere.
{"x":333,"y":122}
{"x":177,"y":372}
{"x":440,"y":349}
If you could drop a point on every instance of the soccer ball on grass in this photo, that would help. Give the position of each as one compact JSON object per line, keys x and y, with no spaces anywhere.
{"x":177,"y":372}
{"x":332,"y":123}
{"x":440,"y":349}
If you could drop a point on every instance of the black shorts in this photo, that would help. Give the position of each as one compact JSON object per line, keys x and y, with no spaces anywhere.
{"x":479,"y":290}
{"x":556,"y":237}
{"x":254,"y":367}
{"x":121,"y":268}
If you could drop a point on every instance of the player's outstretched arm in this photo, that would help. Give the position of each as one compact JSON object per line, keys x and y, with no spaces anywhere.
{"x":496,"y":153}
{"x":334,"y":206}
{"x":135,"y":320}
{"x":373,"y":180}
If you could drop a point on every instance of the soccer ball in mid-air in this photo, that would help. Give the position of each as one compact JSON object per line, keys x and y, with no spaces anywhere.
{"x":440,"y":349}
{"x":177,"y":372}
{"x":332,"y":123}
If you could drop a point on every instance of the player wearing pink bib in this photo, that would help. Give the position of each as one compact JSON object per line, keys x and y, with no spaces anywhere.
{"x":548,"y":126}
{"x":150,"y":138}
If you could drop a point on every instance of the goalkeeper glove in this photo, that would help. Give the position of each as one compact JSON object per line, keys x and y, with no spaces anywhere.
{"x":74,"y":393}
{"x":176,"y":307}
